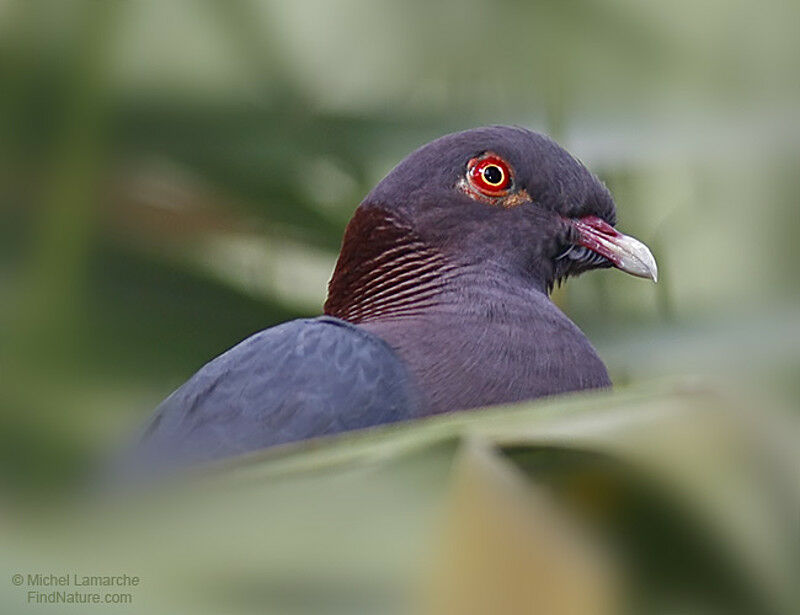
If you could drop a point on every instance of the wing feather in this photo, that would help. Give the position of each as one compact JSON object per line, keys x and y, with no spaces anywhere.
{"x":298,"y":380}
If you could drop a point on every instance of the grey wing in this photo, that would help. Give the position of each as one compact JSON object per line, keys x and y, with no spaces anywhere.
{"x":298,"y":380}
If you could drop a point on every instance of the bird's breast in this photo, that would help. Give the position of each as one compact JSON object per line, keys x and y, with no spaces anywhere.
{"x":462,"y":360}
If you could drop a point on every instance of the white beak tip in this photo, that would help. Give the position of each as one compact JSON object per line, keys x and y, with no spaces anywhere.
{"x":635,"y":258}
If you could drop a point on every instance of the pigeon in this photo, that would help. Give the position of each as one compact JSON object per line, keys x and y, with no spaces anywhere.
{"x":439,"y":302}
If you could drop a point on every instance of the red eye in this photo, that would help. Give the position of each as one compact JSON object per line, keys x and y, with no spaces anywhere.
{"x":490,"y":175}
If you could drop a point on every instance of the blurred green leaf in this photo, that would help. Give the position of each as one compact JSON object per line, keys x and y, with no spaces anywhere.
{"x":350,"y":523}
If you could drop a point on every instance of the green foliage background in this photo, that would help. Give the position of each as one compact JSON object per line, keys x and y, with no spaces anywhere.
{"x":175,"y":176}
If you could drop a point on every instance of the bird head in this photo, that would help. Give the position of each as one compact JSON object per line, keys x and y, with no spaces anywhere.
{"x":507,"y":197}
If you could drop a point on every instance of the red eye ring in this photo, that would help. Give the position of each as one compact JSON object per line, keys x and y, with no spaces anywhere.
{"x":490,"y":175}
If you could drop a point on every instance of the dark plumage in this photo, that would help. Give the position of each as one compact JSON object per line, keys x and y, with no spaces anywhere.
{"x":313,"y":376}
{"x":439,"y":302}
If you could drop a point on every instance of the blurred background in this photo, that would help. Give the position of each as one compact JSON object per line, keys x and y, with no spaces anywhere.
{"x":175,"y":176}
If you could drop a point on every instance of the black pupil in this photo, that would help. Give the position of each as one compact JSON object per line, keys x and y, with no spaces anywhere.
{"x":493,"y":174}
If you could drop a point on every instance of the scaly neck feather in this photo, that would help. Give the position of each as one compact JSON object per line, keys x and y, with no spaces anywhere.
{"x":384,"y":271}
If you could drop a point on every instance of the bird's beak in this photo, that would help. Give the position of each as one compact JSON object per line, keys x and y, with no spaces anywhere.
{"x":626,"y":253}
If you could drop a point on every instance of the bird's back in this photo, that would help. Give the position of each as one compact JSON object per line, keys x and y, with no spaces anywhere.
{"x":300,"y":379}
